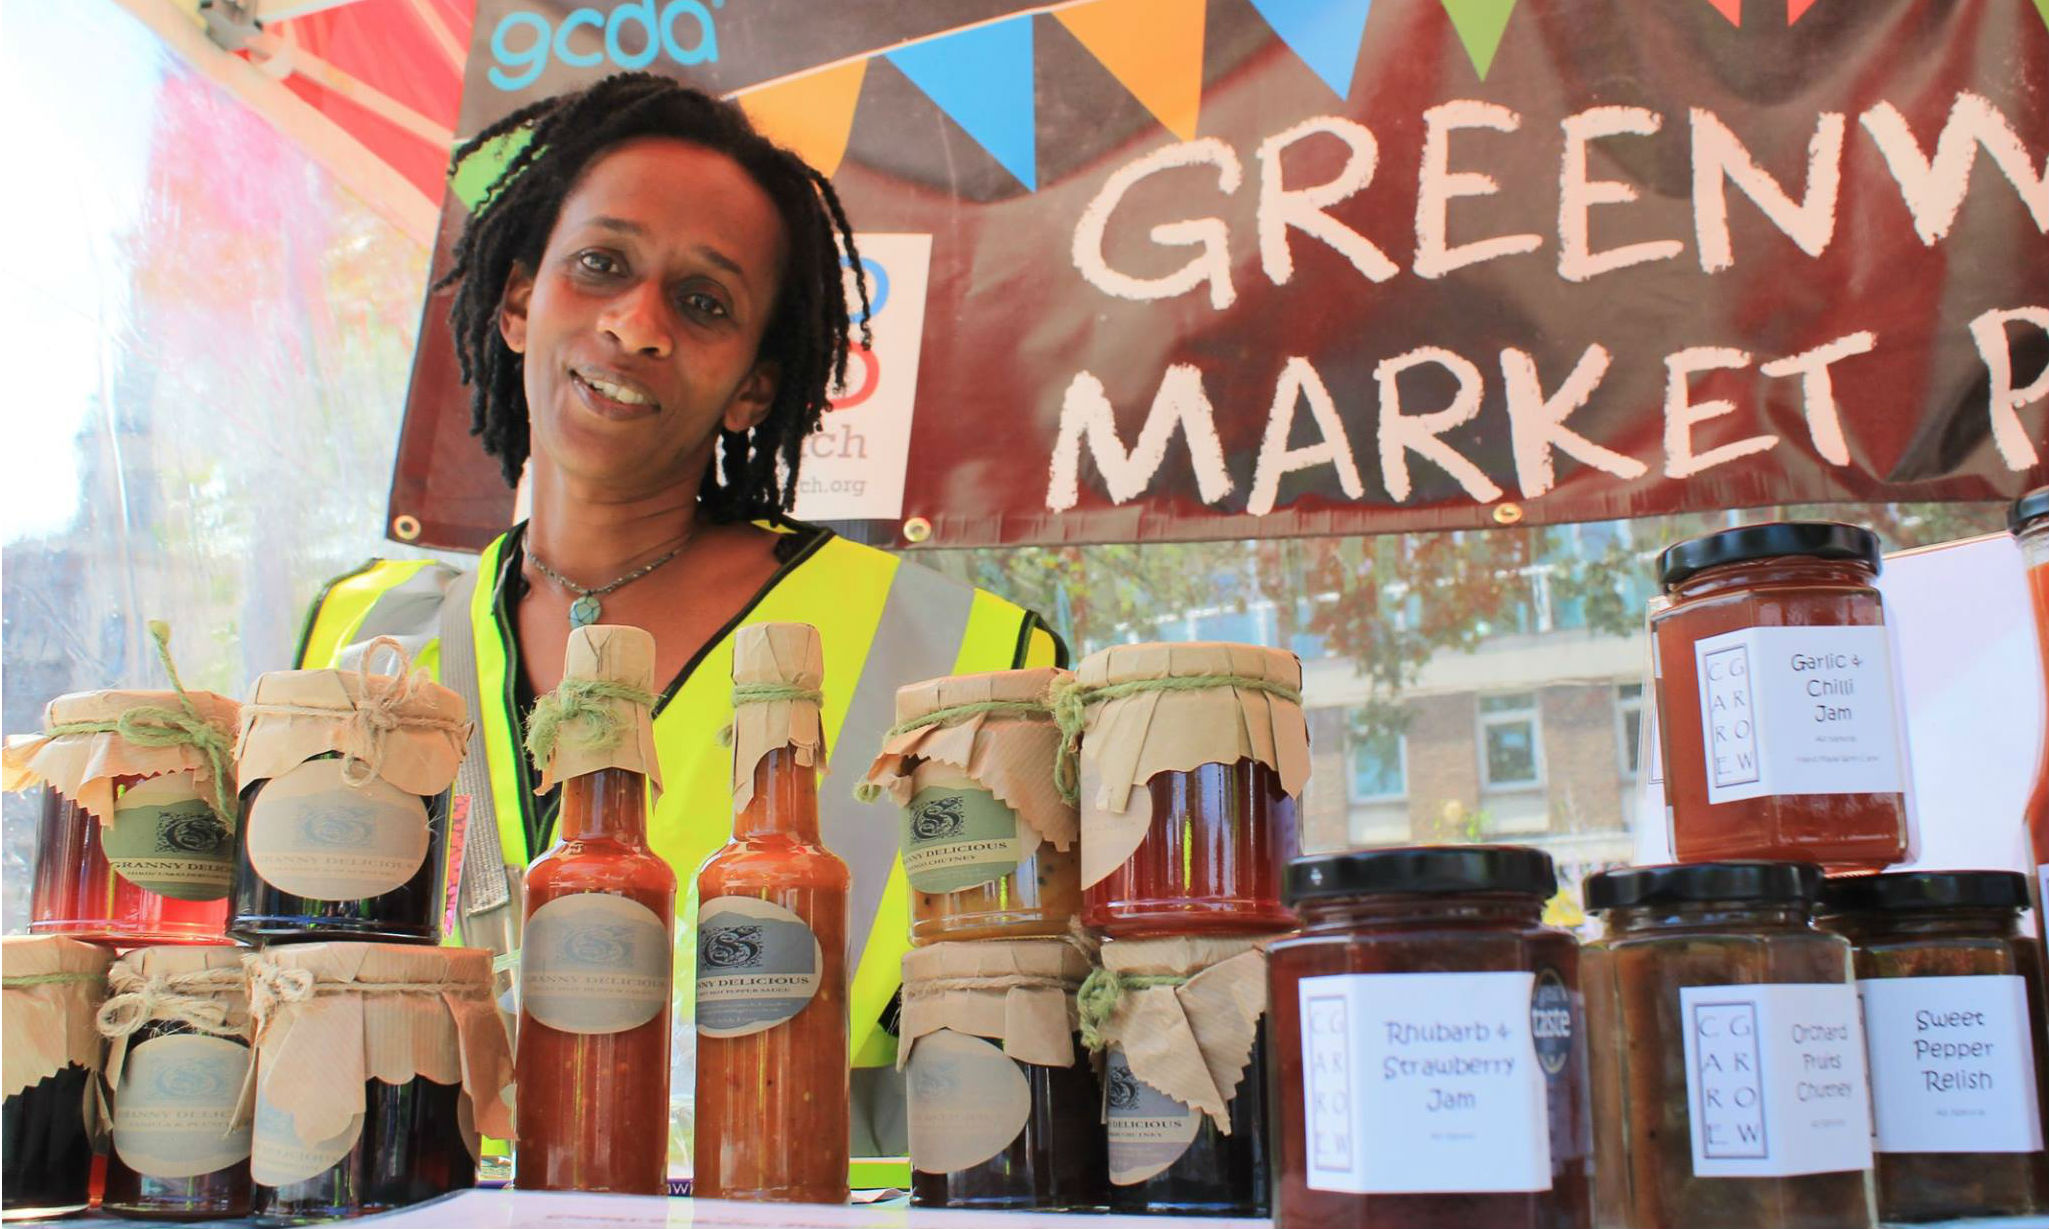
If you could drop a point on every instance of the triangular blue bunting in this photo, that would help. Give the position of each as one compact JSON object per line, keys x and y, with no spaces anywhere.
{"x":982,"y":79}
{"x":1325,"y":33}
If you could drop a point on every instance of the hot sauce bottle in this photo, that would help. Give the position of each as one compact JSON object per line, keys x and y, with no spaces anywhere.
{"x":595,"y":956}
{"x":772,"y":1116}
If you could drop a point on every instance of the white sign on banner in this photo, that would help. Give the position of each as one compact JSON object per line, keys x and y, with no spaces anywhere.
{"x":854,"y":463}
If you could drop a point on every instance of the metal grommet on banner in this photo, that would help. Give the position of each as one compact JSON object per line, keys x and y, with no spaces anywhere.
{"x":1508,"y":514}
{"x":405,"y":527}
{"x":917,"y":529}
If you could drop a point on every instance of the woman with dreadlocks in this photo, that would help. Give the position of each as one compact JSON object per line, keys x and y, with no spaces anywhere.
{"x":649,"y":311}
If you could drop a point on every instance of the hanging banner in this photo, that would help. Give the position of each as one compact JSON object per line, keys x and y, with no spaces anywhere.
{"x":1180,"y":269}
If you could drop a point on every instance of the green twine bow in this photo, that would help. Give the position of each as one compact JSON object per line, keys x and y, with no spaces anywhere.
{"x":1070,"y":701}
{"x":766,"y":693}
{"x":868,"y":791}
{"x":585,"y":704}
{"x":150,"y":726}
{"x":46,"y":979}
{"x":1100,"y":993}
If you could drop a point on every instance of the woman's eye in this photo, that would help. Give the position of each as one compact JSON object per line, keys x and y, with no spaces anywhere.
{"x":596,"y":262}
{"x":704,"y":304}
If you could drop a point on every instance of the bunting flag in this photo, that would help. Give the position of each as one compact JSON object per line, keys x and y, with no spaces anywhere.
{"x":1480,"y":25}
{"x":1731,"y":9}
{"x":1154,"y":49}
{"x":2042,"y":7}
{"x":1325,"y":33}
{"x":1796,"y":9}
{"x":475,"y":174}
{"x":982,"y":78}
{"x":810,"y":115}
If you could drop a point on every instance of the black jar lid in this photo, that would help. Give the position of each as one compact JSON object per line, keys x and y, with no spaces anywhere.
{"x":1750,"y":883}
{"x":1927,"y":890}
{"x":1772,"y":540}
{"x":1429,"y":869}
{"x":2028,"y":509}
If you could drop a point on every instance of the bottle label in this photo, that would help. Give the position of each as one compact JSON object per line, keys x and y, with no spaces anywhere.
{"x":1148,"y":1129}
{"x":1952,"y":1064}
{"x":1775,"y":1082}
{"x":166,"y":839}
{"x":316,"y":836}
{"x":966,"y":1101}
{"x":1428,"y":1083}
{"x":174,"y":1111}
{"x":278,"y":1157}
{"x":758,"y":965}
{"x":954,"y":839}
{"x":594,"y":963}
{"x":1798,"y":710}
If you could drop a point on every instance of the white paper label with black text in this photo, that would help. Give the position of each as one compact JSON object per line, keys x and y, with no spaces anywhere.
{"x":1952,"y":1064}
{"x":1798,"y":710}
{"x":1423,"y":1083}
{"x":1775,"y":1083}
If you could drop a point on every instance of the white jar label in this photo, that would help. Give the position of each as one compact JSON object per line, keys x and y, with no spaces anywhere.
{"x":1952,"y":1064}
{"x":278,"y":1157}
{"x":1148,"y":1129}
{"x":166,"y":839}
{"x":594,"y":963}
{"x":1423,"y":1083}
{"x":1775,"y":1082}
{"x":758,"y":965}
{"x":175,"y":1109}
{"x":316,"y":836}
{"x":965,"y":1099}
{"x":955,"y":839}
{"x":1798,"y":710}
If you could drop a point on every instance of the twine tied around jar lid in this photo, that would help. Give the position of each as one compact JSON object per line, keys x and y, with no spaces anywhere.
{"x":584,"y":704}
{"x":1100,"y":993}
{"x":377,"y":711}
{"x":1070,"y":699}
{"x":204,"y":1000}
{"x":872,"y":791}
{"x":272,"y":986}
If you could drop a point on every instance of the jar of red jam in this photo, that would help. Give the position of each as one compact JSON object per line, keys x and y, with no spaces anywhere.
{"x":1776,"y":705}
{"x":1192,"y":758}
{"x":1431,"y":1053}
{"x":1952,"y":994}
{"x":989,"y":846}
{"x":50,"y":989}
{"x":136,"y":843}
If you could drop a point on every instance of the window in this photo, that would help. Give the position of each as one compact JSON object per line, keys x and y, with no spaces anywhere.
{"x":1511,"y":751}
{"x":1378,"y":763}
{"x":1628,"y":727}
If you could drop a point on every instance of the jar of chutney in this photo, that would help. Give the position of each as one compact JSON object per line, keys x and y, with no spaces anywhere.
{"x":1727,"y":1052}
{"x":1953,"y":1013}
{"x":50,"y":989}
{"x":1431,"y":1051}
{"x":1776,"y":705}
{"x":1192,"y":758}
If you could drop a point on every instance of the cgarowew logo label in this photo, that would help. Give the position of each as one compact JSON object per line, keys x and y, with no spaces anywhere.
{"x":631,"y":35}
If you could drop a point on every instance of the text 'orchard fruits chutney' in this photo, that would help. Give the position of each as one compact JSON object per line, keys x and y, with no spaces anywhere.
{"x":1191,"y":759}
{"x":1727,"y":1052}
{"x":52,"y":987}
{"x":1431,"y":1051}
{"x":1776,"y":702}
{"x":1952,"y":994}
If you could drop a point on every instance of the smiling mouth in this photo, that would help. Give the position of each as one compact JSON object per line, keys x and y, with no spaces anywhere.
{"x":613,"y":397}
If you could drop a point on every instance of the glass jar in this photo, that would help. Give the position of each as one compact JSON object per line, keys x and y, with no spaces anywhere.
{"x":1953,"y":1007}
{"x":1005,"y":1113}
{"x":2029,"y":521}
{"x":1211,"y":860}
{"x":1401,"y":952}
{"x":1212,"y":1173}
{"x":1727,"y":1052}
{"x":411,"y":1149}
{"x":80,"y":892}
{"x":52,"y":989}
{"x":1776,"y":705}
{"x":177,"y":1025}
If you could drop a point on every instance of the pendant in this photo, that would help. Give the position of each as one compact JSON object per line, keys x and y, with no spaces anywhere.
{"x":584,"y":611}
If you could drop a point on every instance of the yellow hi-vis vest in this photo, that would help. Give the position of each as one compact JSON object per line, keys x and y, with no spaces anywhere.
{"x":884,"y":622}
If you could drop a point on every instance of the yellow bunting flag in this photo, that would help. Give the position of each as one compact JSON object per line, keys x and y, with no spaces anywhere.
{"x":1152,"y":47}
{"x":810,"y":115}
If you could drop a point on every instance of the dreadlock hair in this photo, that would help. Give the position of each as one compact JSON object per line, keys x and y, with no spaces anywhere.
{"x":756,"y":474}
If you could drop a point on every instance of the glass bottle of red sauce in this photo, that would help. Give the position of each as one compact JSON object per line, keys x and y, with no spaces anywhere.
{"x":1401,"y":952}
{"x":1192,"y":759}
{"x":136,"y":844}
{"x":772,"y":1086}
{"x":1776,"y":704}
{"x":2029,"y":520}
{"x":596,"y":952}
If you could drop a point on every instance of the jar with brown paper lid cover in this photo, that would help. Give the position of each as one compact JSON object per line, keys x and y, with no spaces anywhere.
{"x":989,"y":844}
{"x":49,"y":1054}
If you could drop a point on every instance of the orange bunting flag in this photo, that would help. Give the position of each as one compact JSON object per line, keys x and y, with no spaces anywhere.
{"x":811,"y":115}
{"x":1153,"y":48}
{"x":1796,"y":9}
{"x":1731,"y":9}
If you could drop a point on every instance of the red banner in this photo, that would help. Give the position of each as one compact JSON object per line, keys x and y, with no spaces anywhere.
{"x":1174,"y":269}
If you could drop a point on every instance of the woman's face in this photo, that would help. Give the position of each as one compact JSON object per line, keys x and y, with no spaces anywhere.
{"x":641,"y":326}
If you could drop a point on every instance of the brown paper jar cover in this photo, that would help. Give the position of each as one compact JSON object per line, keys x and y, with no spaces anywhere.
{"x":1019,"y":993}
{"x":776,"y":655}
{"x":325,"y":1028}
{"x":611,"y":654}
{"x":1190,"y":1041}
{"x":406,"y":729}
{"x":84,"y":767}
{"x":46,"y":1027}
{"x":149,"y":983}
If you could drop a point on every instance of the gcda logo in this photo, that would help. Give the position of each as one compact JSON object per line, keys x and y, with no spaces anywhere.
{"x":630,"y":37}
